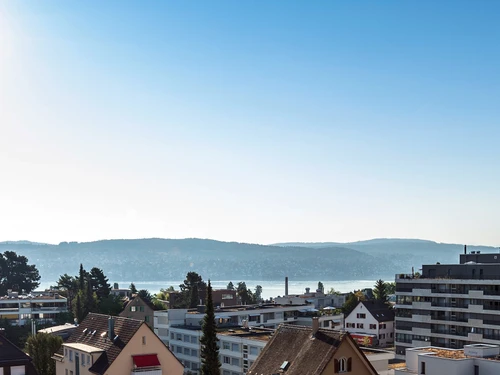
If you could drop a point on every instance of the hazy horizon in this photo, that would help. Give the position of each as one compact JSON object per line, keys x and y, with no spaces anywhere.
{"x":258,"y":122}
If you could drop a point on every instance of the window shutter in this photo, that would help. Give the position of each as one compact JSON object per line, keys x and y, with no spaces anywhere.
{"x":349,"y":364}
{"x":336,"y":365}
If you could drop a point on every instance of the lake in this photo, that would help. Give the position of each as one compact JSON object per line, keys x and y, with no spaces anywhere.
{"x":269,"y":288}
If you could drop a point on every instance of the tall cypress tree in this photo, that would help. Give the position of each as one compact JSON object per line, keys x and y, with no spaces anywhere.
{"x":209,"y":349}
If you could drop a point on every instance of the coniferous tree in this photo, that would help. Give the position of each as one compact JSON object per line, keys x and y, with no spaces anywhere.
{"x":380,"y":291}
{"x":81,"y":278}
{"x":209,"y":349}
{"x":132,"y":288}
{"x":41,"y":347}
{"x":230,"y":286}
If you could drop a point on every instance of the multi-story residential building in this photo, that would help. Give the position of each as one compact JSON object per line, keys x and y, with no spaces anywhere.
{"x":295,"y":350}
{"x":476,"y":359}
{"x":106,"y":345}
{"x":138,"y":308}
{"x":13,"y":361}
{"x":371,"y":323}
{"x":180,"y":329}
{"x":317,"y":298}
{"x":220,"y":297}
{"x":449,"y":305}
{"x":120,"y":292}
{"x":43,"y":307}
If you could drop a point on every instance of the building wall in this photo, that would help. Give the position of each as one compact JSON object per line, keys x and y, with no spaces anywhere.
{"x":123,"y":364}
{"x":142,"y":311}
{"x":384,"y":335}
{"x":68,"y":366}
{"x":348,"y":350}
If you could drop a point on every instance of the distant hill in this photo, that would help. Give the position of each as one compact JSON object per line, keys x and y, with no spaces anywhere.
{"x":170,"y":259}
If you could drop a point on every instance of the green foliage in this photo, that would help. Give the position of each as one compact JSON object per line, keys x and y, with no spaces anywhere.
{"x":332,"y":291}
{"x":16,"y":334}
{"x":16,"y":273}
{"x":158,"y":304}
{"x":190,"y":290}
{"x":390,"y":288}
{"x":352,"y":301}
{"x":99,"y":283}
{"x":132,"y":288}
{"x":145,"y":295}
{"x":245,"y":294}
{"x":110,"y":305}
{"x":321,"y":287}
{"x":380,"y":291}
{"x":230,"y":286}
{"x":209,"y":350}
{"x":258,"y":293}
{"x":40,"y":348}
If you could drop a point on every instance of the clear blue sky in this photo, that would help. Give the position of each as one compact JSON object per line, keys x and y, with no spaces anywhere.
{"x":252,"y":121}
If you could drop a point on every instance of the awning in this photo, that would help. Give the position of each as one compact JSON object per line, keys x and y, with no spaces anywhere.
{"x":146,"y":360}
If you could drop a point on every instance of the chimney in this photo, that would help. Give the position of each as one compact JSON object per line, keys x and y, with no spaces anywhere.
{"x":111,"y":327}
{"x":465,"y":249}
{"x":286,"y":286}
{"x":315,"y":325}
{"x":307,"y":290}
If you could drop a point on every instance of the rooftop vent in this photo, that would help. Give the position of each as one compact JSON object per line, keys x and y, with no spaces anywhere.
{"x":284,"y":366}
{"x":85,"y":331}
{"x":104,"y":335}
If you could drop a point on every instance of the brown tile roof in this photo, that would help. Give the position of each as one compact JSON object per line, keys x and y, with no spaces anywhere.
{"x":306,"y":354}
{"x":125,"y":328}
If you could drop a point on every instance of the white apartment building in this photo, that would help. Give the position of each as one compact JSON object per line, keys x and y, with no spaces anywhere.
{"x":244,"y":333}
{"x":371,"y":324}
{"x":477,"y":359}
{"x":39,"y":306}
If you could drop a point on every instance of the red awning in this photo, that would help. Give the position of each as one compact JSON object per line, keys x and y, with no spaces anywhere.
{"x":146,"y":360}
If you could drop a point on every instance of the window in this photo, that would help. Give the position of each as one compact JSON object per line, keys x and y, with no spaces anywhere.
{"x":235,"y":361}
{"x":146,"y":318}
{"x":383,"y":326}
{"x":360,"y":325}
{"x":226,"y":359}
{"x":194,"y":353}
{"x":143,"y":340}
{"x":254,"y":350}
{"x":235,"y":347}
{"x":361,"y":316}
{"x":179,"y":337}
{"x":65,"y":352}
{"x":351,"y":325}
{"x":225,"y":345}
{"x":226,"y":372}
{"x":391,"y":335}
{"x":71,"y":355}
{"x":342,"y":365}
{"x":178,"y":349}
{"x":186,"y":338}
{"x":227,"y":296}
{"x":422,"y":368}
{"x":476,"y":370}
{"x":71,"y":373}
{"x":133,"y":308}
{"x":88,"y":360}
{"x":194,"y":340}
{"x":172,"y":336}
{"x":373,"y":326}
{"x":382,"y":336}
{"x":141,"y":308}
{"x":187,"y":351}
{"x":66,"y":372}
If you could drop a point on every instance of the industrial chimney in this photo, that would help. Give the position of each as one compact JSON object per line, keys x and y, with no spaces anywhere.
{"x":286,"y":286}
{"x":465,"y":249}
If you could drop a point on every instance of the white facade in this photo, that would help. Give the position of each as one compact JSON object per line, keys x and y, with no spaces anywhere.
{"x":437,"y":361}
{"x":19,"y":309}
{"x":361,"y":321}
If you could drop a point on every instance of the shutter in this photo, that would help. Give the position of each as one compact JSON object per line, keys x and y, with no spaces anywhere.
{"x":336,"y":365}
{"x":349,"y":364}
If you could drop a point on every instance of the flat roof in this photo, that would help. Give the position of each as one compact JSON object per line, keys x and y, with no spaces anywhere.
{"x":63,"y":327}
{"x":83,"y":347}
{"x":31,"y":298}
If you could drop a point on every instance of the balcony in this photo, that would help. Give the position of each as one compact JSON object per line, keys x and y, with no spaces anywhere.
{"x":147,"y":371}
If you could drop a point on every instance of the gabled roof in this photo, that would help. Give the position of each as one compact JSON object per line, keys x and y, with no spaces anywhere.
{"x":125,"y":328}
{"x":11,"y":353}
{"x":382,"y":312}
{"x":306,"y":355}
{"x":136,"y":298}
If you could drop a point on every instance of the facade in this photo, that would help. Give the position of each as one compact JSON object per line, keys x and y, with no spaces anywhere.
{"x":245,"y":329}
{"x":449,"y":305}
{"x":478,"y":359}
{"x":13,"y":361}
{"x":220,"y":297}
{"x":138,"y":308}
{"x":120,"y":292}
{"x":43,"y":307}
{"x":296,"y":350}
{"x":371,"y":324}
{"x":317,"y":298}
{"x":115,"y":346}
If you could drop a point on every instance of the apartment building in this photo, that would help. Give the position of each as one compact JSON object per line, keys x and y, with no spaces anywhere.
{"x":43,"y":307}
{"x":477,"y":359}
{"x":139,"y":308}
{"x":243,"y":332}
{"x":319,"y":299}
{"x":449,"y":305}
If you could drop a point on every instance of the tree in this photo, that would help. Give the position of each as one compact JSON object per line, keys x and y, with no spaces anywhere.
{"x":68,"y":285}
{"x":321,"y":287}
{"x":230,"y":286}
{"x":380,"y":291}
{"x":81,"y":277}
{"x":145,"y":295}
{"x":17,"y":274}
{"x":209,"y":349}
{"x":99,"y":283}
{"x":352,"y":301}
{"x":40,"y":348}
{"x":110,"y":305}
{"x":132,"y":288}
{"x":78,"y":310}
{"x":390,"y":288}
{"x":332,"y":291}
{"x":258,"y":293}
{"x":190,"y":290}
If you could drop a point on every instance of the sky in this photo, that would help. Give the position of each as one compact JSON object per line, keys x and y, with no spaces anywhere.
{"x":250,"y":121}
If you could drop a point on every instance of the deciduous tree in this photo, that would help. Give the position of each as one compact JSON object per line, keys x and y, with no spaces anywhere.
{"x":16,"y":273}
{"x":40,"y":348}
